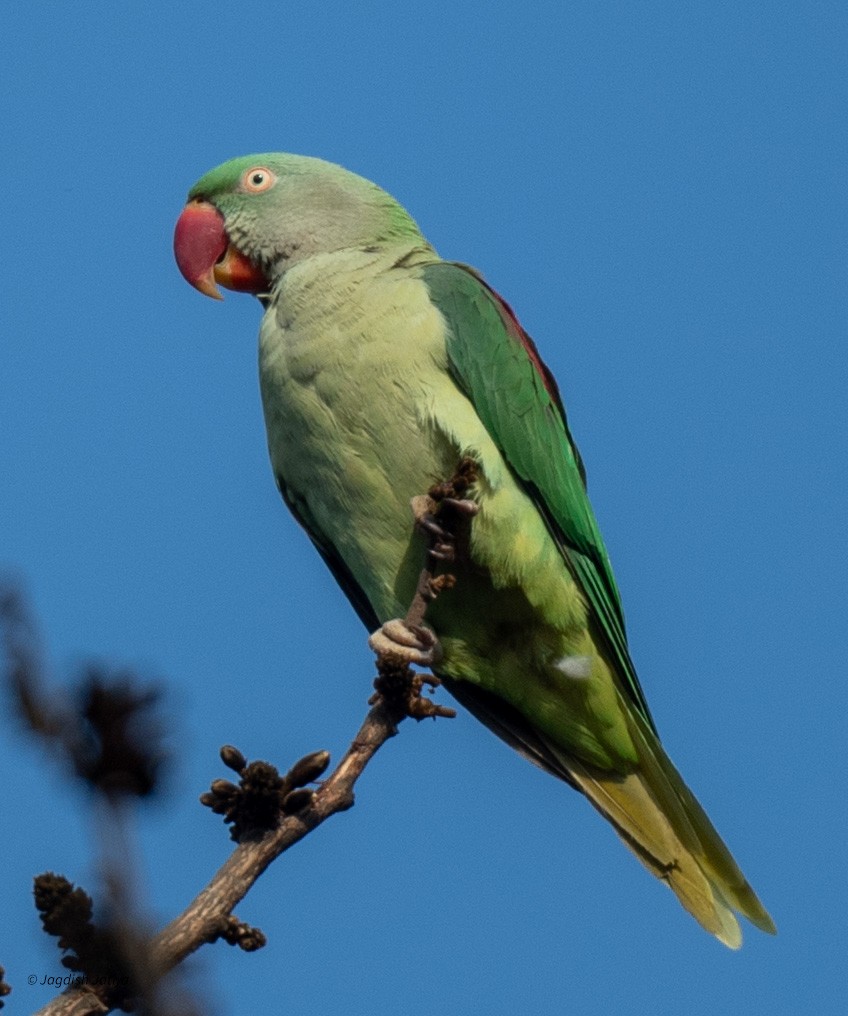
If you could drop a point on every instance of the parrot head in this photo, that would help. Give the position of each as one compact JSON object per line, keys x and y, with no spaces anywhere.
{"x":251,"y":219}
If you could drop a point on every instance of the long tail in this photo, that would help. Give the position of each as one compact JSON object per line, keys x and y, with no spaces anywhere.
{"x":660,"y":820}
{"x":651,"y":809}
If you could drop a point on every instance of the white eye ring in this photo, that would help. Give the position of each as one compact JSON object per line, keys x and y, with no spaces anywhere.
{"x":258,"y":179}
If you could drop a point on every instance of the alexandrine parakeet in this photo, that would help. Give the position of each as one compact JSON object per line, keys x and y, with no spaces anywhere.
{"x":382,"y":366}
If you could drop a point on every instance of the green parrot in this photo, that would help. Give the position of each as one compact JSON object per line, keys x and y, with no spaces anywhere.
{"x":381,"y":367}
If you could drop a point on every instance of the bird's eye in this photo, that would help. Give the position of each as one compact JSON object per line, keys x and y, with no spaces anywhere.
{"x":258,"y":179}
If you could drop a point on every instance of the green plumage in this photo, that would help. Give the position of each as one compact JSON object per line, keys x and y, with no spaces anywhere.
{"x":380,"y":367}
{"x":531,"y":432}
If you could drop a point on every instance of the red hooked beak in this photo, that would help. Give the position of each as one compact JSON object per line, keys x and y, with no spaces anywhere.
{"x":205,"y":255}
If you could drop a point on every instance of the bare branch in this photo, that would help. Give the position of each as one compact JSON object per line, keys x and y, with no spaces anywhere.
{"x":208,"y":917}
{"x":205,"y":918}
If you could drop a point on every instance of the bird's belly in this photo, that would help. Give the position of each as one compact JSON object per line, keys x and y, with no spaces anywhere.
{"x":353,"y":438}
{"x":351,"y":443}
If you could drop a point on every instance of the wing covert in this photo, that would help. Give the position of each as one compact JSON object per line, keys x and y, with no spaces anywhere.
{"x":497,"y":365}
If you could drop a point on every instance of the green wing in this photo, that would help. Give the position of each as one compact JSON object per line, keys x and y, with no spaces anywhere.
{"x":498,"y":367}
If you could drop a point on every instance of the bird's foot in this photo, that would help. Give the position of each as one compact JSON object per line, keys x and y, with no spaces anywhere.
{"x":431,"y":514}
{"x":397,"y":645}
{"x":402,"y":643}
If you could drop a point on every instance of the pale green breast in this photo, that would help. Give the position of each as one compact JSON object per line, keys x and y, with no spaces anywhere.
{"x":352,"y":357}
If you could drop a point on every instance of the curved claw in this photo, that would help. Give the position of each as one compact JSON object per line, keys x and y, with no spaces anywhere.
{"x":462,"y":506}
{"x":406,"y":643}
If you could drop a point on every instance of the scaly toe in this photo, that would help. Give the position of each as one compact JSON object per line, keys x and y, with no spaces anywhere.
{"x":397,"y":640}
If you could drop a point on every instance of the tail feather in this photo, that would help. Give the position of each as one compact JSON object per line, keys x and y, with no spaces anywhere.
{"x":715,"y":857}
{"x":651,"y":809}
{"x":659,"y":819}
{"x":629,"y":805}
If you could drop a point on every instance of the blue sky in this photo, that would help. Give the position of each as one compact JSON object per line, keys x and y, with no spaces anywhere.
{"x":659,"y":191}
